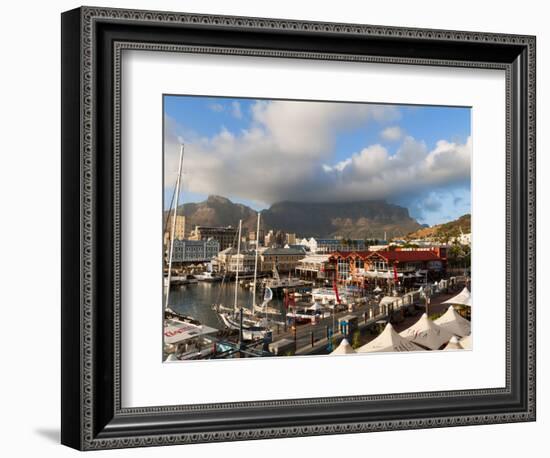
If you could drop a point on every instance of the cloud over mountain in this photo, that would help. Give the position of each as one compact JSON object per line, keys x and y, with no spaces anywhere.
{"x":285,"y":152}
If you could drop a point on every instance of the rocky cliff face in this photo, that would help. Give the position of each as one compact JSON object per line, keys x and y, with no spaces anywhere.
{"x":367,"y":219}
{"x":217,"y":211}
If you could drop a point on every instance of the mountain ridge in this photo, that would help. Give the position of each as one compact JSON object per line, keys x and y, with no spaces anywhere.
{"x":360,"y":219}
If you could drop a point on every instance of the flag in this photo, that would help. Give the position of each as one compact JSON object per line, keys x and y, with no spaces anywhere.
{"x":395,"y":272}
{"x":335,"y":286}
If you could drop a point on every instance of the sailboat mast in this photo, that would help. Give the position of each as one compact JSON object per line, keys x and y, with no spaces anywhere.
{"x":238,"y":265}
{"x":256,"y":263}
{"x":173,"y":232}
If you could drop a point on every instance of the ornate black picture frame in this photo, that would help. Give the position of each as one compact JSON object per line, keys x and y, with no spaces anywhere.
{"x":92,"y":42}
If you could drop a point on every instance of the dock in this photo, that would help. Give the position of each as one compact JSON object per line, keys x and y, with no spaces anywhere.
{"x":309,"y":339}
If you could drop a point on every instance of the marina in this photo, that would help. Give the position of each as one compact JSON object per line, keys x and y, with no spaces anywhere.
{"x":265,"y":298}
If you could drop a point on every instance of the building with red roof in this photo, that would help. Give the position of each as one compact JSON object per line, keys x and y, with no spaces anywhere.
{"x":397,"y":264}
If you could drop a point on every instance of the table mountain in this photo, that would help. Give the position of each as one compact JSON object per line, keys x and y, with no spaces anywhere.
{"x":356,"y":220}
{"x":366,"y":219}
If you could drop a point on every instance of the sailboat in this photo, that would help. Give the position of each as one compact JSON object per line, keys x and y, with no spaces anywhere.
{"x":264,"y":308}
{"x":250,"y":328}
{"x":278,"y":282}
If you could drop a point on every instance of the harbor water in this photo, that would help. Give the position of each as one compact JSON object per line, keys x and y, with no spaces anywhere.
{"x":196,"y":300}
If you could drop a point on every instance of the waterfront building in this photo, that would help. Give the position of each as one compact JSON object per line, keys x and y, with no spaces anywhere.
{"x":193,"y":251}
{"x":226,"y":236}
{"x":358,"y":266}
{"x":339,"y":244}
{"x":285,"y":259}
{"x":315,"y":267}
{"x":228,"y":261}
{"x":324,"y":246}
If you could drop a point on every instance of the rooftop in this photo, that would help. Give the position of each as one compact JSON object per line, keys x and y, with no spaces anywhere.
{"x":409,"y":255}
{"x":284,"y":251}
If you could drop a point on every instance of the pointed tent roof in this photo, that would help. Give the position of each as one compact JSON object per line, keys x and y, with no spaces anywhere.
{"x":344,"y":348}
{"x":454,"y":323}
{"x":426,"y":333}
{"x":453,"y":344}
{"x":387,"y":341}
{"x":466,"y":342}
{"x":462,"y":298}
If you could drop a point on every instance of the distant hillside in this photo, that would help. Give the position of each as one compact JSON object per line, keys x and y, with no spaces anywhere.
{"x":217,"y":211}
{"x":444,"y":231}
{"x":367,"y":219}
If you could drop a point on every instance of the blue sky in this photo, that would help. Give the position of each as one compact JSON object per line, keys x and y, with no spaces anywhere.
{"x":260,"y":151}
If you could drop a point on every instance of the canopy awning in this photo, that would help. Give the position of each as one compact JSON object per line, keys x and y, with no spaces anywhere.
{"x":462,"y":298}
{"x":177,"y":331}
{"x":344,"y":348}
{"x":454,"y":323}
{"x":389,"y":341}
{"x":426,"y":333}
{"x":388,"y":275}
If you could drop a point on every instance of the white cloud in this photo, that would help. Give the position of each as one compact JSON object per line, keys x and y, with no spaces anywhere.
{"x":374,"y":173}
{"x":285,"y":153}
{"x":217,"y":107}
{"x":236,"y":110}
{"x":392,"y":134}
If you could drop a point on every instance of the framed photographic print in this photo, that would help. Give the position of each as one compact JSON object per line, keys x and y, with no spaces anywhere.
{"x":277,"y":228}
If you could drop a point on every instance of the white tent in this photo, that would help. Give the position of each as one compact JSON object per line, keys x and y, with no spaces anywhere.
{"x":462,"y":298}
{"x":453,"y":344}
{"x":426,"y":333}
{"x":466,"y":342}
{"x":454,"y":323}
{"x":344,"y":348}
{"x":171,"y":358}
{"x":388,"y":341}
{"x":377,"y":289}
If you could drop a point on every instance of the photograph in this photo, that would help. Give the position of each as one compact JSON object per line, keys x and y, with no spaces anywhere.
{"x":314,"y":228}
